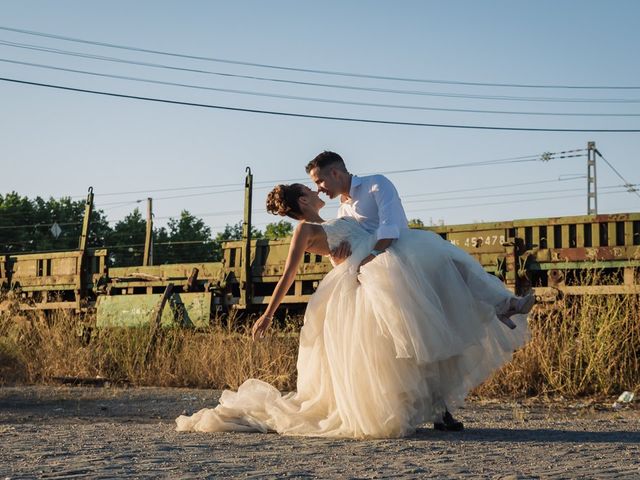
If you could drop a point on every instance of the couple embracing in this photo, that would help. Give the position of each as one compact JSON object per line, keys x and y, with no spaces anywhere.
{"x":396,"y":335}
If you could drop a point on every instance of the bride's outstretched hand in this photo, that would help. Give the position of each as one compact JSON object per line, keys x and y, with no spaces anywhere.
{"x":260,"y":327}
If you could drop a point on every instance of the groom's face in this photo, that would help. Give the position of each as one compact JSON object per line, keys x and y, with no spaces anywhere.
{"x":326,"y":180}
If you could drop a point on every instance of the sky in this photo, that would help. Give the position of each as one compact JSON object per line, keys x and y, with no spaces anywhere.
{"x":330,"y":56}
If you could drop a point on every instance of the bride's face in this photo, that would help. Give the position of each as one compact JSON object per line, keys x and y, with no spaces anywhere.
{"x":310,"y":200}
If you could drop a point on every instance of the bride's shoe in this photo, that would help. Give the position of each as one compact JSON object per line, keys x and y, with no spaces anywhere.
{"x":525,"y":304}
{"x":504,"y":318}
{"x":518,"y":305}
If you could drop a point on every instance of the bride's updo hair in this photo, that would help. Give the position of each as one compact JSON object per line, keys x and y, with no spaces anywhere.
{"x":283,"y":200}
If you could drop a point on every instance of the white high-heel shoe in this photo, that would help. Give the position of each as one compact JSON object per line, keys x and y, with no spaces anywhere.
{"x":518,"y":305}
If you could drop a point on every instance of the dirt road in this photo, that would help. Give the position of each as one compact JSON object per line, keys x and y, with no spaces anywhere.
{"x":88,"y":432}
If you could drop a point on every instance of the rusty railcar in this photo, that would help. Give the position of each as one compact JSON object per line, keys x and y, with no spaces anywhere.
{"x":63,"y":280}
{"x":555,"y":255}
{"x":54,"y":280}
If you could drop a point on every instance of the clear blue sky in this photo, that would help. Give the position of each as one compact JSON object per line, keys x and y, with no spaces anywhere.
{"x":56,"y":143}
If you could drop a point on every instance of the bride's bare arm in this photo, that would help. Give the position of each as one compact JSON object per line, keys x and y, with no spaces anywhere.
{"x":305,"y":237}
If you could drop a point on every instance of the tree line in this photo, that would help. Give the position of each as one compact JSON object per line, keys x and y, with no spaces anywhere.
{"x":30,"y":225}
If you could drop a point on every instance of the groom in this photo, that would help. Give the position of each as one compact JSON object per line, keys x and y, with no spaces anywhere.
{"x":374,"y":202}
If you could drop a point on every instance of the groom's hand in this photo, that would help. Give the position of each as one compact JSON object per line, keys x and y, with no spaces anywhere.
{"x":365,"y":260}
{"x":341,"y":252}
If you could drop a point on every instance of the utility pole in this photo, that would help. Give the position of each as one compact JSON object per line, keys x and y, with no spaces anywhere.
{"x":88,"y":209}
{"x":592,"y":188}
{"x":147,"y":258}
{"x":81,"y":284}
{"x":245,"y":274}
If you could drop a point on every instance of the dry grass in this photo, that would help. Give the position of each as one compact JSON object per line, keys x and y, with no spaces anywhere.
{"x":34,"y":349}
{"x":580,"y":346}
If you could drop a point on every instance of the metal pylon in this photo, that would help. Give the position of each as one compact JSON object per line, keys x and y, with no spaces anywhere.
{"x":592,"y":188}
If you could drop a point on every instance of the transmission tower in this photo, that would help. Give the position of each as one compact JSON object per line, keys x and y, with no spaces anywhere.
{"x":592,"y":188}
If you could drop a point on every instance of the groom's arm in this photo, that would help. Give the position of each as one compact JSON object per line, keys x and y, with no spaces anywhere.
{"x":391,"y":216}
{"x":380,"y":246}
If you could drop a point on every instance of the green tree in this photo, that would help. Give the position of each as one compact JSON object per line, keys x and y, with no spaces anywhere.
{"x":25,"y":225}
{"x":187,"y":239}
{"x":231,"y":232}
{"x":15,"y":213}
{"x":126,"y":242}
{"x":279,"y":229}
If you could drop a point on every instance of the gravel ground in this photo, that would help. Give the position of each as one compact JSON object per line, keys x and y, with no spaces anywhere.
{"x":90,"y":432}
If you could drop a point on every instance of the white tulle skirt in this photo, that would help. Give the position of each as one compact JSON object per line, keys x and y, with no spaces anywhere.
{"x":384,"y":350}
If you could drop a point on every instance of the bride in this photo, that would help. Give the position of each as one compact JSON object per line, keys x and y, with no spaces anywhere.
{"x":383,"y":348}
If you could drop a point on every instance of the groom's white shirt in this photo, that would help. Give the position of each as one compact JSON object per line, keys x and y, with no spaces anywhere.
{"x":374,"y":202}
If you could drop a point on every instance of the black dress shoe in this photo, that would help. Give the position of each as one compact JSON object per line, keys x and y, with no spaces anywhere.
{"x":448,"y":424}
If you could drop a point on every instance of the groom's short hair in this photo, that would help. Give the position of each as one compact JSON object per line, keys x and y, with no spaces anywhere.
{"x":326,"y":159}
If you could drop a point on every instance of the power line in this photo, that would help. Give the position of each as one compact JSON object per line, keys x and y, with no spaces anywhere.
{"x":213,"y":228}
{"x":630,"y":187}
{"x":493,"y":187}
{"x":304,"y":179}
{"x":314,"y":84}
{"x":172,"y":189}
{"x":512,"y":194}
{"x":240,"y":212}
{"x":316,"y":71}
{"x":319,"y":117}
{"x":502,"y":203}
{"x":39,"y":225}
{"x":173,"y":197}
{"x":177,"y":242}
{"x":546,"y":156}
{"x":207,"y":214}
{"x":100,"y":208}
{"x":314,"y":99}
{"x":114,"y":205}
{"x":207,"y":193}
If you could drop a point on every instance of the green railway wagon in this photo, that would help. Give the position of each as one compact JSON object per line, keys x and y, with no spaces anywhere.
{"x":555,"y":255}
{"x":54,"y":280}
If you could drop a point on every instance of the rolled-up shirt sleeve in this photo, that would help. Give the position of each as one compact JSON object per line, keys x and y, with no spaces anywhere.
{"x":390,"y":211}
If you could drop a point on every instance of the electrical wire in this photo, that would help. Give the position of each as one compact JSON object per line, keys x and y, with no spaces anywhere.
{"x":308,"y":70}
{"x":240,"y":212}
{"x":318,"y":117}
{"x":547,"y":156}
{"x":311,"y":99}
{"x":503,"y":204}
{"x":512,"y":194}
{"x":39,"y":225}
{"x":542,"y":157}
{"x":630,"y":187}
{"x":493,"y":187}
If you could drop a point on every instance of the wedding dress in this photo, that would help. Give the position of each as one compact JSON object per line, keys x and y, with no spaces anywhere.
{"x":384,"y":350}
